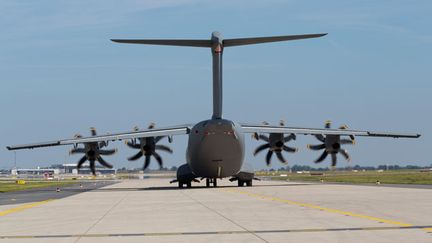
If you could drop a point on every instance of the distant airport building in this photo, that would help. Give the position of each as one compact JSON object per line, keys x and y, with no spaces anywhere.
{"x":62,"y":169}
{"x":37,"y":171}
{"x":5,"y":172}
{"x":69,"y":169}
{"x":85,"y":170}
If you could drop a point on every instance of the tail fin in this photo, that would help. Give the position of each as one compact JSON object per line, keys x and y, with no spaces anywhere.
{"x":217,"y":43}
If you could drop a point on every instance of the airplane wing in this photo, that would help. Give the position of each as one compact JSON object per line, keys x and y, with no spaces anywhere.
{"x":155,"y":132}
{"x":251,"y":128}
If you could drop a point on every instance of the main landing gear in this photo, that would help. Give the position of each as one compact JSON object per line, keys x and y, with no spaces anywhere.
{"x":211,"y":181}
{"x":241,"y":183}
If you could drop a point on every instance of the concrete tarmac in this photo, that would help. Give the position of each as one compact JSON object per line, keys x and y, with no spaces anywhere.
{"x":40,"y":194}
{"x":152,"y":210}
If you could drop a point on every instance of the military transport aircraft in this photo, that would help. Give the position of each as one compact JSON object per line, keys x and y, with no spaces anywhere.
{"x":216,"y":146}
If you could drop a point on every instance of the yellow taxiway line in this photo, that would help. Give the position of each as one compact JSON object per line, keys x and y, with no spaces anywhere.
{"x":330,"y":210}
{"x":24,"y":207}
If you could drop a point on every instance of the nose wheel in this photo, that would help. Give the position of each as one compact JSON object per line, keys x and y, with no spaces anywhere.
{"x":210,"y":181}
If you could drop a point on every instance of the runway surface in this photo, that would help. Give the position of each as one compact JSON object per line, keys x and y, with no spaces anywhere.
{"x":418,"y":186}
{"x":151,"y":210}
{"x":41,"y":194}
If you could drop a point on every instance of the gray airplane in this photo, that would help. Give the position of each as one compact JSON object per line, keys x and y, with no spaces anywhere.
{"x":216,"y":146}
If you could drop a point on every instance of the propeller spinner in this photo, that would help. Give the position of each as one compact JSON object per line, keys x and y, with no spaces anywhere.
{"x":92,"y":152}
{"x":148,"y":147}
{"x":332,"y":145}
{"x":275,"y":143}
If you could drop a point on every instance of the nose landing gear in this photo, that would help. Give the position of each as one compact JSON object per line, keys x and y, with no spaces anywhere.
{"x":211,"y":181}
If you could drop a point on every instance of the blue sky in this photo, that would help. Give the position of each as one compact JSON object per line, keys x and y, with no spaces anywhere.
{"x":60,"y":74}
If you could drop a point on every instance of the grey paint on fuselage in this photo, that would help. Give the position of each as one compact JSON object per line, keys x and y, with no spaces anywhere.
{"x":215,"y":148}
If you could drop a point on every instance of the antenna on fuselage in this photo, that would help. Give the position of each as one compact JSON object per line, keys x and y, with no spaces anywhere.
{"x":217,"y":44}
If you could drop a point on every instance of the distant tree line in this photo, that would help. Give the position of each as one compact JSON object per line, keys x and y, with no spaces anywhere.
{"x":293,"y":168}
{"x":296,"y":168}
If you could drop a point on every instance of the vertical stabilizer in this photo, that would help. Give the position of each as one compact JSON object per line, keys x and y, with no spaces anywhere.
{"x":217,"y":50}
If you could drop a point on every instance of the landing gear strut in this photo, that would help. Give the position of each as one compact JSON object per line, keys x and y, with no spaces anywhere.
{"x":211,"y":181}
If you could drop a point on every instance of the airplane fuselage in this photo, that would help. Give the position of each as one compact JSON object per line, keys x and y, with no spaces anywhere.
{"x":215,"y":148}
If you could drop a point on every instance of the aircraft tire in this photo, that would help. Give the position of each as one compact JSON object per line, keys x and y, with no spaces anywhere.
{"x":249,"y":183}
{"x":240,"y":183}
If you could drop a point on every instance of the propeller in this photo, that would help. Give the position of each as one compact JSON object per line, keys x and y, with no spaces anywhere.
{"x":275,"y":143}
{"x":93,"y":152}
{"x":331,"y":144}
{"x":148,"y":147}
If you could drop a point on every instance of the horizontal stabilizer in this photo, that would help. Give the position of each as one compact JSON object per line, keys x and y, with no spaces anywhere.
{"x":209,"y":43}
{"x":258,"y":40}
{"x":192,"y":43}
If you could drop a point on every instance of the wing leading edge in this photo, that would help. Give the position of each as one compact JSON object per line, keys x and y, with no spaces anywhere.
{"x":155,"y":132}
{"x":250,"y":128}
